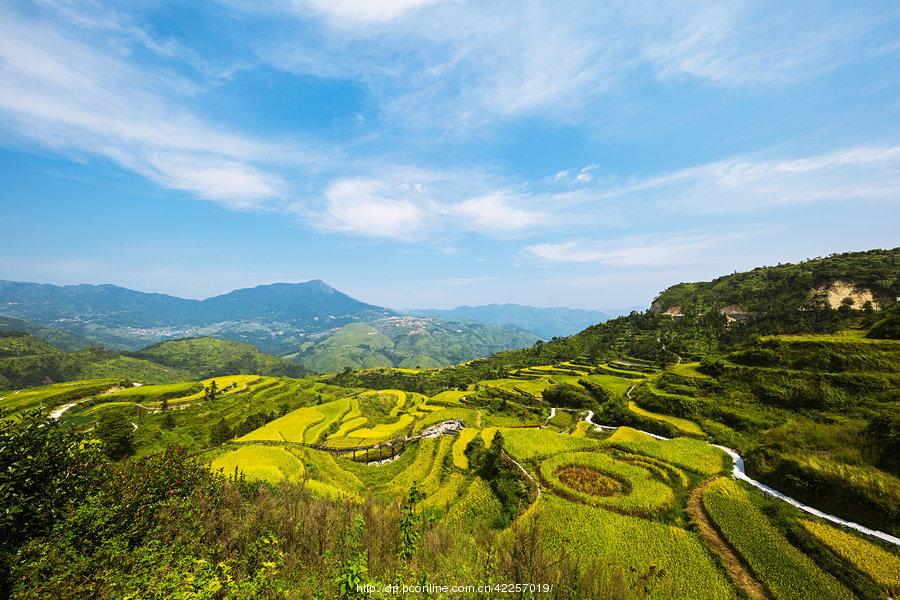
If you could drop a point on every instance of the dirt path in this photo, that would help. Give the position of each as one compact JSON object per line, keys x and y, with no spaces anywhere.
{"x":740,"y":574}
{"x":527,"y":474}
{"x":56,"y":414}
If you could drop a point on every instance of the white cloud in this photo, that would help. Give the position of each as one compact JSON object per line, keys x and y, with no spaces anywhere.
{"x":497,"y":213}
{"x":747,"y":184}
{"x":745,"y":43}
{"x":363,"y":11}
{"x":637,"y":251}
{"x":86,"y":97}
{"x":458,"y":66}
{"x":368,"y":207}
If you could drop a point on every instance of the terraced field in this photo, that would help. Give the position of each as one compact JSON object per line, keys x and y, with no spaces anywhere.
{"x":50,"y":396}
{"x":683,"y":425}
{"x":782,"y":568}
{"x":618,"y":496}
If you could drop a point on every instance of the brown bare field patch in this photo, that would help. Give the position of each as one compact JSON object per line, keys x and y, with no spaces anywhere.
{"x":588,"y":481}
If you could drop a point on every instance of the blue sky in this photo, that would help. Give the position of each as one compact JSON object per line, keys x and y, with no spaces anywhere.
{"x":440,"y":152}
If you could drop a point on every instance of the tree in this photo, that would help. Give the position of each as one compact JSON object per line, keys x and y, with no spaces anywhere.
{"x":169,"y":420}
{"x":165,"y":405}
{"x":409,"y":524}
{"x":221,"y":433}
{"x":116,"y":433}
{"x":211,"y":390}
{"x":566,"y":394}
{"x":44,"y":469}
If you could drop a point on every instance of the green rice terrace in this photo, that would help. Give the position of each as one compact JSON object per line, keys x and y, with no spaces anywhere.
{"x":604,"y":479}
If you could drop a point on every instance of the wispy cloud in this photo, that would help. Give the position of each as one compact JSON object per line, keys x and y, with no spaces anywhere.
{"x":89,"y":98}
{"x":460,"y":66}
{"x":752,"y":184}
{"x":414,"y":204}
{"x":635,"y":251}
{"x":741,"y":43}
{"x":355,"y":12}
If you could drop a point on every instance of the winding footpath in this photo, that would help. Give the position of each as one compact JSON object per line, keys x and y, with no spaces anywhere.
{"x":739,"y":472}
{"x":56,"y":414}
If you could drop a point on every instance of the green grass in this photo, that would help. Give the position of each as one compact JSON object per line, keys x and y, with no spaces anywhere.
{"x":400,"y":397}
{"x":51,"y":396}
{"x":382,"y":431}
{"x":692,"y":455}
{"x":785,"y":571}
{"x":155,"y":393}
{"x":531,"y":387}
{"x":460,"y":460}
{"x":289,"y":428}
{"x":640,"y":494}
{"x":682,"y":425}
{"x":532,"y":444}
{"x":633,"y":544}
{"x":562,"y":419}
{"x":627,"y":435}
{"x":260,"y":463}
{"x":347,"y":426}
{"x":479,"y":506}
{"x":581,"y":429}
{"x":324,"y":467}
{"x":688,"y":370}
{"x":435,"y":477}
{"x":881,"y":566}
{"x":617,"y":386}
{"x":332,"y":413}
{"x":449,"y":397}
{"x":418,"y":469}
{"x":447,"y":492}
{"x":467,"y":415}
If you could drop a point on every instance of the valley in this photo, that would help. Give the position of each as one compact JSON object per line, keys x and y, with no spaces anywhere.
{"x":651,"y":456}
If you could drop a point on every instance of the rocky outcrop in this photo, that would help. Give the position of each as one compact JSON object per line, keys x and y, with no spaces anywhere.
{"x":840,"y":290}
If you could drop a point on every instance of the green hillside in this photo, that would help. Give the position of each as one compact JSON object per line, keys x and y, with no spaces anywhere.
{"x":207,"y":357}
{"x":407,"y":342}
{"x":772,"y":290}
{"x":27,"y":361}
{"x":774,"y":305}
{"x":55,"y":337}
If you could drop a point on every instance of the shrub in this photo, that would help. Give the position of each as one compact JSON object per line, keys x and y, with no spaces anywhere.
{"x":567,"y":395}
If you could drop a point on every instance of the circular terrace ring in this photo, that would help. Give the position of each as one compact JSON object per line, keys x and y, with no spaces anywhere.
{"x":600,"y":479}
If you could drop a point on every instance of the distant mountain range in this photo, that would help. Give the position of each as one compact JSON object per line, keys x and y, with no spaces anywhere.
{"x":275,"y":318}
{"x":545,"y":322}
{"x":305,"y":321}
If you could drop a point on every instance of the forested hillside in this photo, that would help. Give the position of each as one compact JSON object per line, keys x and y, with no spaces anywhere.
{"x":790,"y":287}
{"x":210,"y":357}
{"x":779,"y":300}
{"x":27,"y":361}
{"x":56,"y":337}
